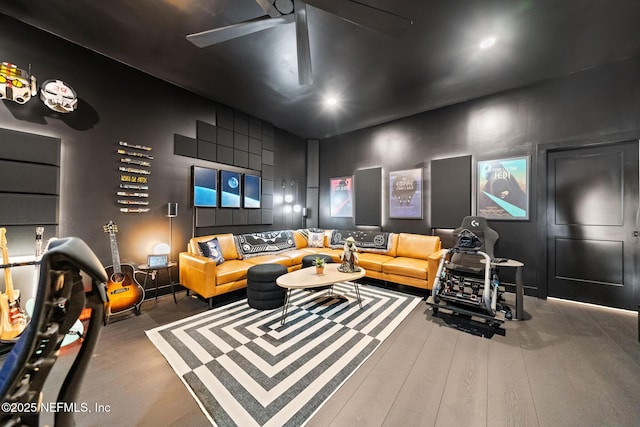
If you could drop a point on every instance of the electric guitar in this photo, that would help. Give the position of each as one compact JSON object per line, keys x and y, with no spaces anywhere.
{"x":12,"y":317}
{"x":123,"y":289}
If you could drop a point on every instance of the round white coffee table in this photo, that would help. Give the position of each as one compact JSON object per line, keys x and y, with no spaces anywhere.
{"x":307,"y":278}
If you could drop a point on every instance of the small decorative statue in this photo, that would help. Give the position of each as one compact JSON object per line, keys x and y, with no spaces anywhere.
{"x":349,"y":256}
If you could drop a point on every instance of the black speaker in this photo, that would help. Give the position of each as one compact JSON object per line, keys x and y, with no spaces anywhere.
{"x":172,"y":210}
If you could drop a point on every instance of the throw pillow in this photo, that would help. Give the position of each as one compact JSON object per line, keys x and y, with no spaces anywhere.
{"x":211,"y":249}
{"x":316,"y":239}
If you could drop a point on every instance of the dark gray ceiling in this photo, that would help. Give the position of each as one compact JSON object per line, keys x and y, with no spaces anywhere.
{"x":378,"y":78}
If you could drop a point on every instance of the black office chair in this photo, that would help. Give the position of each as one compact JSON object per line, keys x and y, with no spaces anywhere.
{"x":61,"y":297}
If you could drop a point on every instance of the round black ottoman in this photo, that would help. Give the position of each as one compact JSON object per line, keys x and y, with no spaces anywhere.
{"x":262,"y":291}
{"x":310,"y":260}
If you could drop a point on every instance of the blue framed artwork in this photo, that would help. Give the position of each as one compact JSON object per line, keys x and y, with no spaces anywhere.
{"x":205,"y":182}
{"x":251,"y":191}
{"x":229,"y":189}
{"x":503,"y":188}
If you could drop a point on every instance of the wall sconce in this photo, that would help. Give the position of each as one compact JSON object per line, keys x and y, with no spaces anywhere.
{"x":290,"y":195}
{"x":290,"y":198}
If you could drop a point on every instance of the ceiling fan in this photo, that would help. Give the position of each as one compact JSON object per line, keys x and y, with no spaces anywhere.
{"x":280,"y":12}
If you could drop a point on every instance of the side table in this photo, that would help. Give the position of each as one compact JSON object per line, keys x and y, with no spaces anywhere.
{"x":154,"y":272}
{"x":512,"y":263}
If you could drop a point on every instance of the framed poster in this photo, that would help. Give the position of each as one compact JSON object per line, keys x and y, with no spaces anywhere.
{"x":341,"y":196}
{"x":405,"y":194}
{"x":503,"y":188}
{"x":205,"y":182}
{"x":251,"y":191}
{"x":229,"y":189}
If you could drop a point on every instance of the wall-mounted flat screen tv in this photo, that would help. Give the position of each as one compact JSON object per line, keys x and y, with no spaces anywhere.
{"x":205,"y":189}
{"x":251,"y":191}
{"x":229,"y":189}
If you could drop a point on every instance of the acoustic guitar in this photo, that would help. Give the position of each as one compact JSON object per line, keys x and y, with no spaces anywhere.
{"x":12,"y":317}
{"x":123,"y":289}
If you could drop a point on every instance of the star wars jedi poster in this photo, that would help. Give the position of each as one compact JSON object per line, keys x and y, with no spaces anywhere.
{"x":503,"y":188}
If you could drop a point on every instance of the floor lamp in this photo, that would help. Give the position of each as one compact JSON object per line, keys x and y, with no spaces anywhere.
{"x":172,"y":212}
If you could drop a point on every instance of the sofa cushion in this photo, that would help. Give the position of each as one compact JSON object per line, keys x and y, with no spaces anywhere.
{"x":231,"y":271}
{"x":410,"y":267}
{"x":281,"y":259}
{"x":266,"y":243}
{"x":373,"y":262}
{"x":300,"y":237}
{"x":417,"y":246}
{"x":366,"y":240}
{"x":296,"y":255}
{"x":211,"y":249}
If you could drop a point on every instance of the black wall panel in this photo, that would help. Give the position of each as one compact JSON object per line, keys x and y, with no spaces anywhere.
{"x":225,"y":137}
{"x":255,"y":128}
{"x":29,"y":147}
{"x":241,"y":158}
{"x":255,"y":146}
{"x":22,"y":177}
{"x":205,"y":217}
{"x":29,"y":188}
{"x":368,"y":196}
{"x":240,"y":123}
{"x":255,"y":161}
{"x":29,"y":209}
{"x":240,"y":142}
{"x":206,"y":131}
{"x":225,"y":118}
{"x":225,"y":155}
{"x":185,"y":146}
{"x":207,"y":151}
{"x":450,"y":191}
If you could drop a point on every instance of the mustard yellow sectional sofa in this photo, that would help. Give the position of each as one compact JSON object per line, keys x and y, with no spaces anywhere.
{"x":406,"y":259}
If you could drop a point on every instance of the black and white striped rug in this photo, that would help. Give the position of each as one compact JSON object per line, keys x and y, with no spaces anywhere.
{"x":245,"y":369}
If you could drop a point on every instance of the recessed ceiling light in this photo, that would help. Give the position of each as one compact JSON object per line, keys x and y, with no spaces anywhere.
{"x":331,"y":101}
{"x":487,"y":42}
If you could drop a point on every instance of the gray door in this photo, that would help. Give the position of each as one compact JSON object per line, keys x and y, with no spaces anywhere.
{"x":592,"y":215}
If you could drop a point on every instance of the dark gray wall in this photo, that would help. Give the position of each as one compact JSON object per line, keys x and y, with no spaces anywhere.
{"x":595,"y":106}
{"x":116,"y":104}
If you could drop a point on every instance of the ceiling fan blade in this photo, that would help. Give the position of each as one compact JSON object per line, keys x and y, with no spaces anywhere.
{"x":365,"y":16}
{"x":302,"y":44}
{"x":269,"y":8}
{"x":219,"y":35}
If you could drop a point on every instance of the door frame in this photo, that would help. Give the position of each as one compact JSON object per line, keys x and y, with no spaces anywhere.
{"x":543,"y":149}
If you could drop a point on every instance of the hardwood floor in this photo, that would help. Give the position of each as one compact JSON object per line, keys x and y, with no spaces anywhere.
{"x":566,"y":365}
